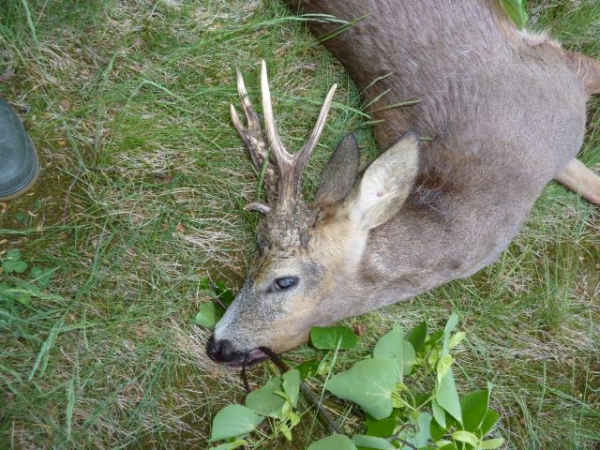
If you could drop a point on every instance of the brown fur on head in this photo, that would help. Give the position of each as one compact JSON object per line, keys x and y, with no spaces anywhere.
{"x":289,"y":288}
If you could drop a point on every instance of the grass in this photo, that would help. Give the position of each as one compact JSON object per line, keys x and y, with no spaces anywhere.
{"x":141,"y":194}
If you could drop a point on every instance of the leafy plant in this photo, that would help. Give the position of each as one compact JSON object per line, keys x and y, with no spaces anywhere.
{"x":386,"y":385}
{"x":14,"y":288}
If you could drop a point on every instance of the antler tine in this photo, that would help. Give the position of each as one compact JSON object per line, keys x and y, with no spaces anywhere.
{"x":255,"y":142}
{"x":304,"y":153}
{"x":252,"y":136}
{"x":290,"y":166}
{"x":282,"y":157}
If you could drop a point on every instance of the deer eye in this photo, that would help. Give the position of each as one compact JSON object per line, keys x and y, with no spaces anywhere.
{"x":285,"y":282}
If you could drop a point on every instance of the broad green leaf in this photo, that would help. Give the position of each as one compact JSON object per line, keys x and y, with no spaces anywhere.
{"x":369,"y":442}
{"x":391,"y":346}
{"x":516,"y":11}
{"x":466,"y":437}
{"x":418,"y":336}
{"x":384,"y":427}
{"x":491,"y":418}
{"x":422,"y":434}
{"x":333,"y":442}
{"x":233,"y":421}
{"x":474,"y":407}
{"x":438,"y":413}
{"x":265,"y":401}
{"x":491,"y":444}
{"x":447,"y":397}
{"x":206,"y":316}
{"x":291,"y":385}
{"x":327,"y":338}
{"x":370,"y":384}
{"x":450,"y":326}
{"x":409,"y":357}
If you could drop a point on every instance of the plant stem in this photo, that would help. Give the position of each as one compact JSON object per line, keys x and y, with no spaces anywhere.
{"x":308,"y":393}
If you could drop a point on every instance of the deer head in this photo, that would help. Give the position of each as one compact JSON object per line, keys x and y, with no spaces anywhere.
{"x":308,"y":253}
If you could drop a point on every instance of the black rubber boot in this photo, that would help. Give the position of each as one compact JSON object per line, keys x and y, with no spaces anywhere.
{"x":19,"y":165}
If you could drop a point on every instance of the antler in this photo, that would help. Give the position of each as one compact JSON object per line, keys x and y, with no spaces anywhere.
{"x":282,"y":185}
{"x":256,"y":144}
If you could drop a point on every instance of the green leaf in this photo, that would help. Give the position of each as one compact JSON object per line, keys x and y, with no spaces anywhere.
{"x":285,"y":430}
{"x":265,"y":401}
{"x":233,"y":421}
{"x":20,"y":266}
{"x":333,"y":442}
{"x":474,"y":407}
{"x":382,"y":428}
{"x":450,"y":326}
{"x":327,"y":338}
{"x":457,"y":338}
{"x":418,"y":336}
{"x":409,"y":358}
{"x":308,"y":368}
{"x":391,"y":346}
{"x":24,"y":298}
{"x":291,"y":385}
{"x":206,"y":316}
{"x":491,"y":418}
{"x":437,"y":431}
{"x":42,"y":277}
{"x":369,"y":442}
{"x":443,"y":366}
{"x":438,"y":413}
{"x":13,"y":255}
{"x":421,"y":436}
{"x":450,"y":446}
{"x":491,"y":444}
{"x":205,"y":284}
{"x":369,"y":383}
{"x":16,"y":266}
{"x":447,"y":396}
{"x":466,"y":437}
{"x":224,"y":293}
{"x":516,"y":11}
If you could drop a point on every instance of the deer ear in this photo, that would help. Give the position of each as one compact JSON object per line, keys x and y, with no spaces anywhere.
{"x":386,"y":183}
{"x":340,"y":172}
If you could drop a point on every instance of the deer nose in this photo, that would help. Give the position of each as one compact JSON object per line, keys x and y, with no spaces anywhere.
{"x":222,"y":351}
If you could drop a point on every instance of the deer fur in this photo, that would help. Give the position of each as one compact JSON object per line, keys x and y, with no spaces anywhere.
{"x":503,"y":112}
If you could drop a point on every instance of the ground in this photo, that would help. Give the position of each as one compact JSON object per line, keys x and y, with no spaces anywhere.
{"x":141,"y":197}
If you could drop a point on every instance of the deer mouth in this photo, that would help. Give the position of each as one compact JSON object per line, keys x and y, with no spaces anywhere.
{"x":249,"y":359}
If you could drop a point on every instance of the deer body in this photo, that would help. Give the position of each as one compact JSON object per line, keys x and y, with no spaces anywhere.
{"x":503,"y":113}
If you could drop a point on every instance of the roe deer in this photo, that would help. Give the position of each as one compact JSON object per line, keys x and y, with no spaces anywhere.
{"x":504,"y":112}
